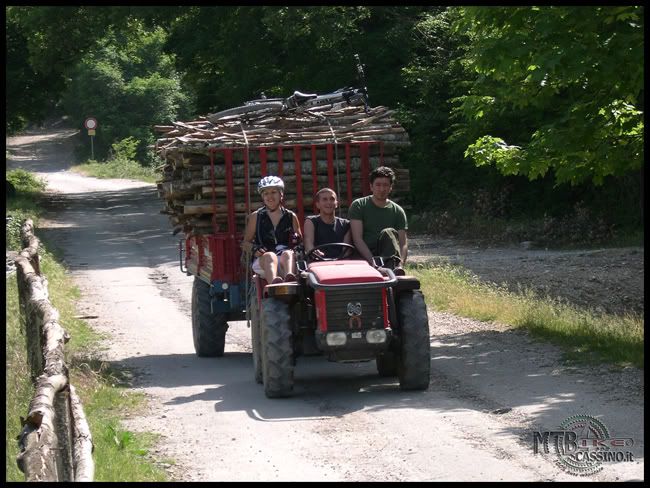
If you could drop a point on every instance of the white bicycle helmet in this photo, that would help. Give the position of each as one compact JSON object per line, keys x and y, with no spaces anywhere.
{"x":270,"y":182}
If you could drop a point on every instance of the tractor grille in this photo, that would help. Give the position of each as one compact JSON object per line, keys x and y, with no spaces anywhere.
{"x":367,"y":302}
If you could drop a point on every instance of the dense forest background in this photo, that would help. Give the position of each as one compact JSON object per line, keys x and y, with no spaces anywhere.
{"x":515,"y":114}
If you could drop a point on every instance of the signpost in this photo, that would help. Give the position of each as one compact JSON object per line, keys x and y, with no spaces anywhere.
{"x":91,"y":124}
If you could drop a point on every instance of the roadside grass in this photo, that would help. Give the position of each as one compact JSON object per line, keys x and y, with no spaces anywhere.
{"x":585,"y":335}
{"x":117,"y":168}
{"x":119,"y":455}
{"x":18,"y":385}
{"x":28,"y":194}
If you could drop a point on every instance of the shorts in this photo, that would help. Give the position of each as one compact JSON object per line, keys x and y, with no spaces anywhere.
{"x":257,"y":269}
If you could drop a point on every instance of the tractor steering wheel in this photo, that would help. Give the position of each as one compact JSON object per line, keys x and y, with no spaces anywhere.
{"x":343,"y":247}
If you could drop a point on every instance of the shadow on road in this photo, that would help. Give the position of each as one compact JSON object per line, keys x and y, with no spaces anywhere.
{"x":114,"y":224}
{"x":485,"y":371}
{"x":43,"y":151}
{"x":321,"y":389}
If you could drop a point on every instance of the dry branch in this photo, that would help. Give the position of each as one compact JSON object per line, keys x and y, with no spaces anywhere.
{"x":82,"y":448}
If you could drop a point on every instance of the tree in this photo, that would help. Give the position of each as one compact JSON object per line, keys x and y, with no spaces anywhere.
{"x":28,"y":92}
{"x":129,"y":84}
{"x":431,"y":76}
{"x":557,"y":89}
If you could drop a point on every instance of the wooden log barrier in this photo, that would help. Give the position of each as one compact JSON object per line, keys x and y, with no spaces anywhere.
{"x":46,"y":440}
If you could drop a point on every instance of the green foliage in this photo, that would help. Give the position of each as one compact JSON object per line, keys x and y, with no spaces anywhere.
{"x":125,"y":149}
{"x":25,"y":98}
{"x":118,"y":168}
{"x":17,"y":379}
{"x":12,"y":230}
{"x":129,"y":84}
{"x":121,"y":455}
{"x":122,"y":163}
{"x":43,"y":43}
{"x":23,"y":205}
{"x":24,"y":181}
{"x":565,"y":84}
{"x":526,"y":97}
{"x":583,"y":334}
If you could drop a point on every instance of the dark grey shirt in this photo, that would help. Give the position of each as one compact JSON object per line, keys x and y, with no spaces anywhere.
{"x":328,"y":233}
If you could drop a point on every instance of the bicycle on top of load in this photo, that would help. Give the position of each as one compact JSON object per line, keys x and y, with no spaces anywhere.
{"x":298,"y":102}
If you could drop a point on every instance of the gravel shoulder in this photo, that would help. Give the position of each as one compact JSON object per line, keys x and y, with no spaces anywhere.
{"x":605,"y":279}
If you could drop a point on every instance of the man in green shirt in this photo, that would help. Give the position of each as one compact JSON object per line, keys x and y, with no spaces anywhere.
{"x":378,"y":224}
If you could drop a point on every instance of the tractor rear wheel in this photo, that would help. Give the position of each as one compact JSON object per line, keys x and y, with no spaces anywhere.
{"x":208,"y":329}
{"x":277,"y":348}
{"x":254,"y":308}
{"x":414,"y":362}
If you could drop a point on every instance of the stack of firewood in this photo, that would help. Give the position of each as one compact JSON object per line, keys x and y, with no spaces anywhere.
{"x":191,"y":195}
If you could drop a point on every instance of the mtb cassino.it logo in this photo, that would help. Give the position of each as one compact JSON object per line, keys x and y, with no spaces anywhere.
{"x":582,"y":444}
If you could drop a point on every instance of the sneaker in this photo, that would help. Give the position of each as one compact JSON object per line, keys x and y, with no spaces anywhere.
{"x":290,"y":277}
{"x":399,"y":271}
{"x":277,"y":280}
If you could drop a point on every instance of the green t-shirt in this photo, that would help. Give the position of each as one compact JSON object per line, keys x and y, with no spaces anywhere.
{"x":375,"y":218}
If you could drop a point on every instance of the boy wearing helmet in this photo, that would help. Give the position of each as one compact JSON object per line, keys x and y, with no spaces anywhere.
{"x":270,"y":232}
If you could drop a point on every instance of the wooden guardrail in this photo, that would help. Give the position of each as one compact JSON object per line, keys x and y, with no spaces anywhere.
{"x":55,"y":441}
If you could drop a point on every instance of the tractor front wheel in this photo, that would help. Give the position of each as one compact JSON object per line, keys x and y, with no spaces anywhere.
{"x":414,"y":364}
{"x":254,"y":308}
{"x":277,"y":348}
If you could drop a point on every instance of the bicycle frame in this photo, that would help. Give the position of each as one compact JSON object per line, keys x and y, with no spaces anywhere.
{"x":302,"y":101}
{"x":341,"y":96}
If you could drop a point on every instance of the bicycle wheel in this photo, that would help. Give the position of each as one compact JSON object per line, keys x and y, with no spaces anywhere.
{"x":246,"y":109}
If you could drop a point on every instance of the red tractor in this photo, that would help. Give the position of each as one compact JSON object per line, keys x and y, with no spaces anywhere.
{"x":347,"y":310}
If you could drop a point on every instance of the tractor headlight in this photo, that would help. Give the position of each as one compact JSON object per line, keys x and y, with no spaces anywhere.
{"x":336,"y":338}
{"x":376,"y":336}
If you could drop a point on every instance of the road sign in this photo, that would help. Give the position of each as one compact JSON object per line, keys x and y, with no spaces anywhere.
{"x":90,"y":123}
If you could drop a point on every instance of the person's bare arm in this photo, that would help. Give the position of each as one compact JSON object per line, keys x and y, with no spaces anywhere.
{"x":356,"y":227}
{"x":309,"y":235}
{"x":403,"y":244}
{"x":249,"y":234}
{"x":347,"y":238}
{"x":296,"y":226}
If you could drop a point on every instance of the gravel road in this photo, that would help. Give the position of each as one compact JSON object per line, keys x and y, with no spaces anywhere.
{"x":492,"y":387}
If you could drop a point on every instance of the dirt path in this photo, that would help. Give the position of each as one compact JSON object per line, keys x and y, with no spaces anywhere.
{"x":491,"y":387}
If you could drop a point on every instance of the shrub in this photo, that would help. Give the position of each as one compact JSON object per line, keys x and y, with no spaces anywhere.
{"x":126,"y":149}
{"x":24,"y":181}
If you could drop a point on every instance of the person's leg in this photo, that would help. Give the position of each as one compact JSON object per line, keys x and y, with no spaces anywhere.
{"x":388,"y":247}
{"x":269,"y":263}
{"x":287,"y":265}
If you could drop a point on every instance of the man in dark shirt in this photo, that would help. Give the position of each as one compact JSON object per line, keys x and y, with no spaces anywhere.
{"x":326,"y":228}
